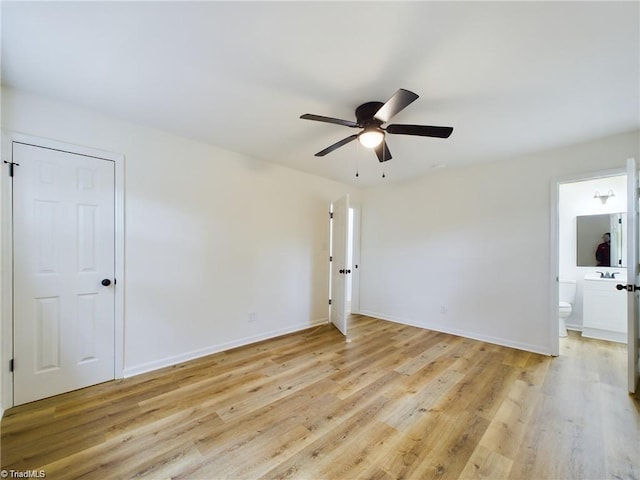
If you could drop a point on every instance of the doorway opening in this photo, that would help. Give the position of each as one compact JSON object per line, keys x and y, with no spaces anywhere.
{"x":350,"y":265}
{"x":344,"y":263}
{"x":591,"y":249}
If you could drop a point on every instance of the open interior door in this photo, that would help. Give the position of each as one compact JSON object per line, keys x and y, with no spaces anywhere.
{"x":338,"y":313}
{"x":633,"y":246}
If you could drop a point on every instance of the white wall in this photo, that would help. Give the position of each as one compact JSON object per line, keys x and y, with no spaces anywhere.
{"x":576,"y":198}
{"x":210,"y":236}
{"x":467,"y":251}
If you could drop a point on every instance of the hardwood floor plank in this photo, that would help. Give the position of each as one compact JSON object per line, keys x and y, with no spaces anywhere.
{"x":568,"y":433}
{"x":317,"y":455}
{"x":261,"y":449}
{"x":334,"y":414}
{"x":364,"y":448}
{"x":437,"y":446}
{"x":20,"y":422}
{"x":352,"y":380}
{"x":509,"y":425}
{"x":486,"y":463}
{"x":442,"y":348}
{"x":621,"y":441}
{"x":535,"y":370}
{"x":271,"y":390}
{"x":416,"y":404}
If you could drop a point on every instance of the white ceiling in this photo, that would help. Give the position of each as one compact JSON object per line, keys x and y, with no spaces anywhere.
{"x":510,"y":77}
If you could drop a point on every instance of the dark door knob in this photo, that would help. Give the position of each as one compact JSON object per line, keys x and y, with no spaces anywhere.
{"x":621,"y":287}
{"x":341,"y":270}
{"x":347,"y":271}
{"x":106,"y":282}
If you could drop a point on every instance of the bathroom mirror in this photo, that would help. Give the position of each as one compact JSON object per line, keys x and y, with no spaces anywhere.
{"x":590,"y":230}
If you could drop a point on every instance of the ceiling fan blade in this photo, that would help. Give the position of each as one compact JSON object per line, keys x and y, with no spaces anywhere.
{"x":337,"y":121}
{"x":395,"y":104}
{"x":336,"y":145}
{"x":420,"y":130}
{"x":383,"y":153}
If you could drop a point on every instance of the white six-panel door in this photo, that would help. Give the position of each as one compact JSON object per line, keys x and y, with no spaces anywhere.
{"x":64,"y":247}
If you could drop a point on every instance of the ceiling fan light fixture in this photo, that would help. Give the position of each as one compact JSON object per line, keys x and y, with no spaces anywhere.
{"x":371,"y":138}
{"x":370,"y":117}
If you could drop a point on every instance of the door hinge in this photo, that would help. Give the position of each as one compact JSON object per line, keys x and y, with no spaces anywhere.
{"x":329,"y":301}
{"x":11,"y":365}
{"x":331,"y":258}
{"x":330,"y":214}
{"x":11,"y":165}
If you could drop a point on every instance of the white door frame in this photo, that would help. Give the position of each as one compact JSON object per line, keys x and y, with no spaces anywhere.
{"x":554,"y":257}
{"x":355,"y":258}
{"x":6,"y":252}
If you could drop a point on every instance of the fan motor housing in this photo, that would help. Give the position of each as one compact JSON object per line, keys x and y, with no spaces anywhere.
{"x":365,"y":113}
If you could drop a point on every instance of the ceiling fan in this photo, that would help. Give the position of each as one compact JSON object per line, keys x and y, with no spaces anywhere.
{"x":370,"y":116}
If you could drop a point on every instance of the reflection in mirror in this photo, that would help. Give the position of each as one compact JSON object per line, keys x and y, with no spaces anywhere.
{"x":602,"y":240}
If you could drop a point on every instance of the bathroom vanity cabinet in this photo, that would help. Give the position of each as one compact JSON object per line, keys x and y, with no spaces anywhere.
{"x":604,"y":310}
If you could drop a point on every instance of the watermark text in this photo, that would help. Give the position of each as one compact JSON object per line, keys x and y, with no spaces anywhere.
{"x":23,"y":474}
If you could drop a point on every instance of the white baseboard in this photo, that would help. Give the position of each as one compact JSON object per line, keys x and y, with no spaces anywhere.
{"x":504,"y":342}
{"x":185,"y":357}
{"x":608,"y":335}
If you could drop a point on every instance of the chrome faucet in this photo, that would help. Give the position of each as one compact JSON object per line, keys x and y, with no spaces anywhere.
{"x":608,"y":274}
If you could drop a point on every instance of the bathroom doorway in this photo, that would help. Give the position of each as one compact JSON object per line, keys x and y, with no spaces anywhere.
{"x":591,"y":256}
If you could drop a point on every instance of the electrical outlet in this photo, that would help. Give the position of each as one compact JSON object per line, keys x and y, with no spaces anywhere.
{"x":443,"y":310}
{"x":253,"y":316}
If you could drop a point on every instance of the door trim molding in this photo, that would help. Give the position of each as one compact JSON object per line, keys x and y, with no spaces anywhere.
{"x":6,"y":251}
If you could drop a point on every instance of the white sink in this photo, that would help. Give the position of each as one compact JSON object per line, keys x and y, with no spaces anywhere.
{"x":620,"y":277}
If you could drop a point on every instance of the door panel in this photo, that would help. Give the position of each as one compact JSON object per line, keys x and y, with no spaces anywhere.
{"x":633,"y":248}
{"x":47,"y":332}
{"x":64,"y":245}
{"x":339,"y":246}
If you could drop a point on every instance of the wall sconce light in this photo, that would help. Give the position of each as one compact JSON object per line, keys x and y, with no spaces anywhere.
{"x":604,"y":197}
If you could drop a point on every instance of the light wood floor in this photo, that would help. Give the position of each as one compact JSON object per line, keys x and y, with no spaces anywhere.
{"x":394,"y":402}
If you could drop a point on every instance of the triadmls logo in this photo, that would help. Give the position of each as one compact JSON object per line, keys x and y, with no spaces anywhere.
{"x":23,"y":474}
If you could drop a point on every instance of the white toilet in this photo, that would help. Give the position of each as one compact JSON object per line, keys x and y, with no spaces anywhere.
{"x":567,"y":295}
